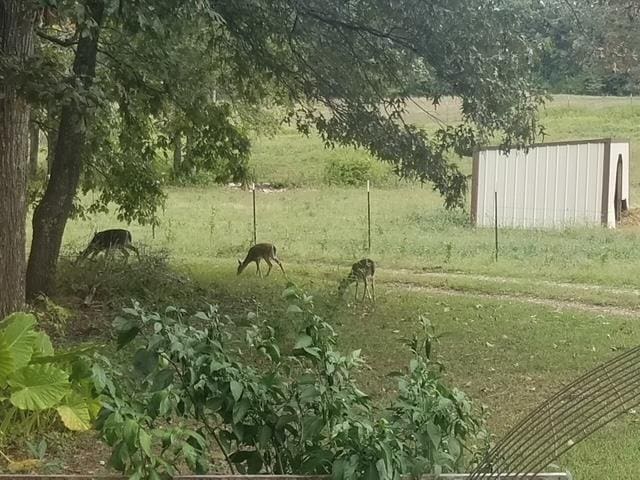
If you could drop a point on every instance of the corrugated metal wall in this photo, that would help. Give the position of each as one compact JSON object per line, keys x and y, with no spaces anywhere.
{"x":555,"y":185}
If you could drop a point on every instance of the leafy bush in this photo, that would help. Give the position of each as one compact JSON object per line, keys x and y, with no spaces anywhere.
{"x":115,"y":282}
{"x":301,"y":414}
{"x":36,"y":383}
{"x":355,"y":170}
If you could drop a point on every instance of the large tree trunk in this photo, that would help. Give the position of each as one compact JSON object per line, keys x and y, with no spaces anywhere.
{"x":34,"y":148}
{"x":17,"y":21}
{"x":51,"y":215}
{"x":52,"y":137}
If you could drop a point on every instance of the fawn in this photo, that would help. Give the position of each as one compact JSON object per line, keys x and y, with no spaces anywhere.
{"x":363,"y":270}
{"x":260,"y":251}
{"x":108,"y":240}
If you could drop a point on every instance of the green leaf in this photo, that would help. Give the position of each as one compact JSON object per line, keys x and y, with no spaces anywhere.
{"x":74,"y":413}
{"x":303,"y":341}
{"x":239,"y":456}
{"x":7,"y":365}
{"x":120,"y":457}
{"x":264,"y":436}
{"x":162,"y":380}
{"x":130,"y":432}
{"x":99,"y":377}
{"x":19,"y":336}
{"x":381,"y":467}
{"x":145,"y":361}
{"x":236,"y":390}
{"x":455,"y":450}
{"x":126,"y":336}
{"x":337,"y":469}
{"x":254,"y":463}
{"x":42,"y":346}
{"x":145,"y":442}
{"x":293,"y":308}
{"x":312,"y":426}
{"x":290,"y":292}
{"x":433,"y":431}
{"x":371,"y":473}
{"x":38,"y":387}
{"x":240,"y":410}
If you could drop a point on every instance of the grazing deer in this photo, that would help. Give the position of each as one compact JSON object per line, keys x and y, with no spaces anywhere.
{"x":260,"y":251}
{"x":108,"y":240}
{"x":363,"y":270}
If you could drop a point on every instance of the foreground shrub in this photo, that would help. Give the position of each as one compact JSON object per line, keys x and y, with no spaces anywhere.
{"x":355,"y":170}
{"x":37,"y":384}
{"x":298,"y":414}
{"x":114,"y":283}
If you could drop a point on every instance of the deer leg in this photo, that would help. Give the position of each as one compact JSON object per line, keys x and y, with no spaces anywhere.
{"x":366,"y":289}
{"x":258,"y":272}
{"x":125,"y":254}
{"x":280,"y":265}
{"x":355,"y":296}
{"x":373,"y":290}
{"x":270,"y":265}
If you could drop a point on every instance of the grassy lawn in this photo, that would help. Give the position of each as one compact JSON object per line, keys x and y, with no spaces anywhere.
{"x":507,"y":355}
{"x":555,"y":304}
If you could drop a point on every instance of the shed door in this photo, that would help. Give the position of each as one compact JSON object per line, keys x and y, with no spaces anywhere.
{"x":618,"y":195}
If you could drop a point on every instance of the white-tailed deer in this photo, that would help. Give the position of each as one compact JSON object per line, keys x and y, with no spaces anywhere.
{"x":363,"y":270}
{"x":108,"y":240}
{"x":261,"y":251}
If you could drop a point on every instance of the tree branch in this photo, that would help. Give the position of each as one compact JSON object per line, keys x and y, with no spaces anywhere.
{"x":66,"y":43}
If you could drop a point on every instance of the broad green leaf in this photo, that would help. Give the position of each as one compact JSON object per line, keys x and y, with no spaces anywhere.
{"x":236,"y":390}
{"x":130,"y":432}
{"x":371,"y":472}
{"x":240,"y":410}
{"x":303,"y":341}
{"x":19,"y":336}
{"x":42,"y":346}
{"x":293,"y":308}
{"x":434,"y":434}
{"x":455,"y":450}
{"x":312,"y":426}
{"x":7,"y":365}
{"x":162,"y":380}
{"x":38,"y":387}
{"x":74,"y":413}
{"x":382,"y":469}
{"x":99,"y":377}
{"x":145,"y":361}
{"x":145,"y":442}
{"x":126,"y":336}
{"x":264,"y":436}
{"x":254,"y":463}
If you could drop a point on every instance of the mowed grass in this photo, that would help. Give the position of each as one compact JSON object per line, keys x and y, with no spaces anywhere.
{"x":506,"y":353}
{"x":409,"y":230}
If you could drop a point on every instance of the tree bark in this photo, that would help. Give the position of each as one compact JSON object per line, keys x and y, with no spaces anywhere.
{"x":17,"y":21}
{"x":52,"y":137}
{"x":51,"y":215}
{"x":34,"y":149}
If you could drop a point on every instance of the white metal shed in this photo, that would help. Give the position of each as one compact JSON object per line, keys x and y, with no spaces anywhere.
{"x":552,"y":185}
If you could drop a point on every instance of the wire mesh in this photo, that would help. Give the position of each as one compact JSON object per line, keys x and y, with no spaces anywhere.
{"x":567,"y":418}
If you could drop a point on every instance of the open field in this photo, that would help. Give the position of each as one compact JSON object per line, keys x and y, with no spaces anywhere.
{"x":555,"y":304}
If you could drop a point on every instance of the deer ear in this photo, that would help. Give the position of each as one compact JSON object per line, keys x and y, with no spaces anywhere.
{"x":239,"y":262}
